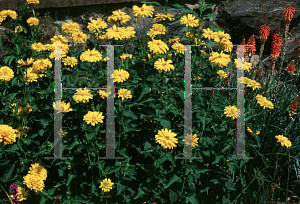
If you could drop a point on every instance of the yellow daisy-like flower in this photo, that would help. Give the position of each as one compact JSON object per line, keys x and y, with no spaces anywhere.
{"x":18,"y":29}
{"x":62,"y":107}
{"x":34,"y":183}
{"x":124,"y":93}
{"x":247,"y":65}
{"x":22,"y":131}
{"x":124,"y":56}
{"x":189,"y":20}
{"x":264,"y":102}
{"x":4,"y":14}
{"x":180,"y":48}
{"x":191,"y":140}
{"x":103,"y":94}
{"x":91,"y":56}
{"x":7,"y":134}
{"x":30,"y":75}
{"x":246,"y":80}
{"x":162,"y":17}
{"x":38,"y":47}
{"x":32,"y":21}
{"x":232,"y":111}
{"x":22,"y":195}
{"x":102,"y":37}
{"x":166,"y":138}
{"x":118,"y":17}
{"x":226,"y":45}
{"x":161,"y":65}
{"x":71,"y":61}
{"x":207,"y":33}
{"x":106,"y":185}
{"x":33,"y":2}
{"x":143,"y":11}
{"x":157,"y":29}
{"x":41,"y":65}
{"x":129,"y":33}
{"x":20,"y":113}
{"x":83,"y":95}
{"x":70,"y":28}
{"x":222,"y":74}
{"x":38,"y":171}
{"x":174,"y":40}
{"x":6,"y":73}
{"x":95,"y":25}
{"x":79,"y":37}
{"x":254,"y":84}
{"x":116,"y":33}
{"x":283,"y":140}
{"x":29,"y":61}
{"x":220,"y":60}
{"x":158,"y":46}
{"x":12,"y":14}
{"x":93,"y":117}
{"x":61,"y":39}
{"x":120,"y":75}
{"x":252,"y":133}
{"x":219,"y":35}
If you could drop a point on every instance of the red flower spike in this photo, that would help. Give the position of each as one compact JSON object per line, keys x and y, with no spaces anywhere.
{"x":289,"y":12}
{"x":276,"y":45}
{"x":238,"y":50}
{"x":294,"y":104}
{"x":251,"y":41}
{"x":291,"y":66}
{"x":264,"y":32}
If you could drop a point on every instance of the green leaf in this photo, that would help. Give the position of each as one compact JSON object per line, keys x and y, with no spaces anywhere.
{"x":18,"y":50}
{"x":12,"y":148}
{"x":173,"y":196}
{"x":144,"y":91}
{"x":43,"y":200}
{"x":44,"y":122}
{"x":208,"y":6}
{"x":165,"y":124}
{"x":191,"y":199}
{"x":218,"y":158}
{"x":147,"y":145}
{"x":129,"y":114}
{"x":214,"y":181}
{"x":208,"y":16}
{"x":152,"y":2}
{"x":172,"y":180}
{"x":229,"y":185}
{"x":140,"y":192}
{"x":89,"y":136}
{"x":74,"y":144}
{"x":199,"y":171}
{"x":209,"y":141}
{"x":51,"y":191}
{"x":60,"y":172}
{"x":120,"y":188}
{"x":11,"y":59}
{"x":70,"y":177}
{"x":10,"y":172}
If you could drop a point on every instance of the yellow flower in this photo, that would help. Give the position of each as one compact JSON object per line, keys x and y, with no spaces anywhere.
{"x":166,"y":138}
{"x":143,"y":11}
{"x":116,"y":33}
{"x":34,"y":183}
{"x":124,"y":93}
{"x":79,"y":37}
{"x":93,"y":117}
{"x":179,"y":48}
{"x":162,"y":17}
{"x":6,"y":73}
{"x":129,"y":33}
{"x":7,"y":134}
{"x":20,"y":113}
{"x":63,"y":107}
{"x":161,"y":65}
{"x":222,"y":74}
{"x":61,"y":133}
{"x":120,"y":75}
{"x":219,"y":35}
{"x":103,"y":94}
{"x":157,"y":29}
{"x":61,"y":39}
{"x":91,"y":56}
{"x":12,"y":14}
{"x":22,"y":194}
{"x":226,"y":45}
{"x":30,"y":75}
{"x":252,"y":133}
{"x":97,"y":24}
{"x":29,"y":61}
{"x":189,"y":20}
{"x":41,"y":65}
{"x":70,"y":28}
{"x":38,"y":171}
{"x":264,"y":102}
{"x":32,"y":21}
{"x":191,"y":140}
{"x":207,"y":33}
{"x":33,"y":2}
{"x":82,"y":95}
{"x":254,"y":84}
{"x":247,"y":65}
{"x":124,"y":56}
{"x":106,"y":185}
{"x":71,"y":61}
{"x":174,"y":40}
{"x":283,"y":140}
{"x":118,"y":17}
{"x":158,"y":46}
{"x":18,"y":29}
{"x":232,"y":111}
{"x":22,"y":131}
{"x":38,"y":47}
{"x":220,"y":60}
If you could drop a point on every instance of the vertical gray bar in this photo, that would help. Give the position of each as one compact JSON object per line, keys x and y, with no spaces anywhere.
{"x":110,"y":124}
{"x":57,"y":113}
{"x":240,"y":132}
{"x":188,"y":104}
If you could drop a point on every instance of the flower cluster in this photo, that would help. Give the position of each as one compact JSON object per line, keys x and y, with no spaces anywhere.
{"x":5,"y":13}
{"x":15,"y":193}
{"x":264,"y":102}
{"x":250,"y":83}
{"x":7,"y":134}
{"x":35,"y":178}
{"x":283,"y":140}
